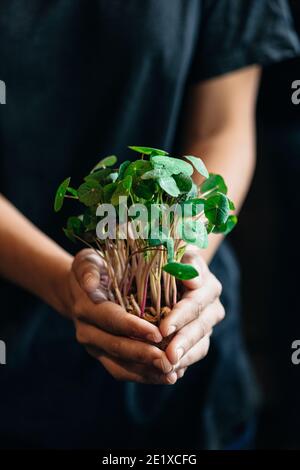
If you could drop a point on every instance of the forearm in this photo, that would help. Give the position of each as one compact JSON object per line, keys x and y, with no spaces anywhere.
{"x":231,"y":153}
{"x":31,"y":259}
{"x":219,"y":127}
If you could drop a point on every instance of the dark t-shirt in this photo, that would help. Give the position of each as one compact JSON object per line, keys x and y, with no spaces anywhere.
{"x":85,"y":79}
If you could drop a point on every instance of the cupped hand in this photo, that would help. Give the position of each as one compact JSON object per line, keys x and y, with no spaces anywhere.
{"x":194,"y":316}
{"x":117,"y":339}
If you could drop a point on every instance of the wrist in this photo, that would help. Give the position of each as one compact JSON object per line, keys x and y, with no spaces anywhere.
{"x":60,"y":294}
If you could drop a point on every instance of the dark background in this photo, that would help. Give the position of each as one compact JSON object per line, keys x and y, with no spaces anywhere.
{"x":267,"y":242}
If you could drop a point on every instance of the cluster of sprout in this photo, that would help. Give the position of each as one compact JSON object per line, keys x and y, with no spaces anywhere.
{"x":142,"y":270}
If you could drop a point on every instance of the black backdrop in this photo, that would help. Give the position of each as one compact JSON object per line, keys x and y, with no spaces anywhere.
{"x":267,"y":242}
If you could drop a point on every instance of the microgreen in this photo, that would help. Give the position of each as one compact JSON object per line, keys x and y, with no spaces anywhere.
{"x":142,"y":271}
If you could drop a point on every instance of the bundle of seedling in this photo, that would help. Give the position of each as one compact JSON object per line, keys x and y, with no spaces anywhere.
{"x":139,"y":218}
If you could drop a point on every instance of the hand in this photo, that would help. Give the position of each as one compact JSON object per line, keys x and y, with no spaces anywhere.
{"x":110,"y":334}
{"x":193,"y":317}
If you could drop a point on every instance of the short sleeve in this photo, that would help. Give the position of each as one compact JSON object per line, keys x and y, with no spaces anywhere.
{"x":237,"y":33}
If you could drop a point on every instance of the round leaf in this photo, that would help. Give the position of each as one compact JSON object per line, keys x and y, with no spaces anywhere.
{"x":122,"y":169}
{"x":181,"y":271}
{"x":174,"y":166}
{"x":193,"y":232}
{"x":227,"y":227}
{"x":168,"y":184}
{"x":108,"y":191}
{"x":148,"y":150}
{"x":90,"y":218}
{"x":101,"y":176}
{"x":75,"y":224}
{"x":214,"y":183}
{"x":198,"y":164}
{"x":155,"y":174}
{"x":60,"y":194}
{"x":89,"y":193}
{"x":123,"y":189}
{"x":144,"y":189}
{"x":216,"y":209}
{"x":105,"y":162}
{"x":183,"y":182}
{"x":138,"y":168}
{"x":197,"y":206}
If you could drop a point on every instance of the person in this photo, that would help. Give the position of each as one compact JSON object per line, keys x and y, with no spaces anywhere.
{"x":86,"y":79}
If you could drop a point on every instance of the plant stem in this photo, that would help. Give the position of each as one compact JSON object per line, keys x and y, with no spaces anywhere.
{"x":143,"y":305}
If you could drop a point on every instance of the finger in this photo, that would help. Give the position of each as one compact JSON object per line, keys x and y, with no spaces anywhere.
{"x":91,"y":274}
{"x":123,"y":371}
{"x":191,"y":334}
{"x":193,"y":256}
{"x":122,"y":348}
{"x":87,"y":266}
{"x":194,"y":332}
{"x":180,"y":372}
{"x":197,"y":353}
{"x":114,"y":319}
{"x":191,"y":306}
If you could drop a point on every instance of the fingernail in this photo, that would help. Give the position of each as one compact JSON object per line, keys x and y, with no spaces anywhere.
{"x":171,"y":378}
{"x":171,"y":330}
{"x":180,"y":353}
{"x":154,"y":338}
{"x":163,"y":364}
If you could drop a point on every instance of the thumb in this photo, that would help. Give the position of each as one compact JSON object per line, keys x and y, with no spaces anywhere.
{"x":91,"y":274}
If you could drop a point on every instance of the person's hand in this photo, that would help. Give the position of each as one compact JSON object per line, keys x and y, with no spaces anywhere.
{"x":111,"y":335}
{"x":194,"y":316}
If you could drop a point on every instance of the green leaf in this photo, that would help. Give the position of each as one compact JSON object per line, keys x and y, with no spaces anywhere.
{"x":147,"y":150}
{"x":144,"y":189}
{"x":168,"y":184}
{"x":227,"y":227}
{"x":173,"y":166}
{"x":74,"y":227}
{"x":72,"y":191}
{"x":155,"y":242}
{"x":123,"y":189}
{"x":193,"y":232}
{"x":216,"y":209}
{"x":105,"y":162}
{"x":113,"y":177}
{"x":138,"y":168}
{"x":60,"y":194}
{"x":155,"y":174}
{"x":101,"y":176}
{"x":198,"y":164}
{"x":193,"y":192}
{"x":184,"y":182}
{"x":181,"y":271}
{"x":197,"y":205}
{"x":89,"y":193}
{"x":90,"y":218}
{"x":108,"y":191}
{"x":122,"y":169}
{"x":69,"y":234}
{"x":214,"y":183}
{"x":209,"y":227}
{"x":231,"y":205}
